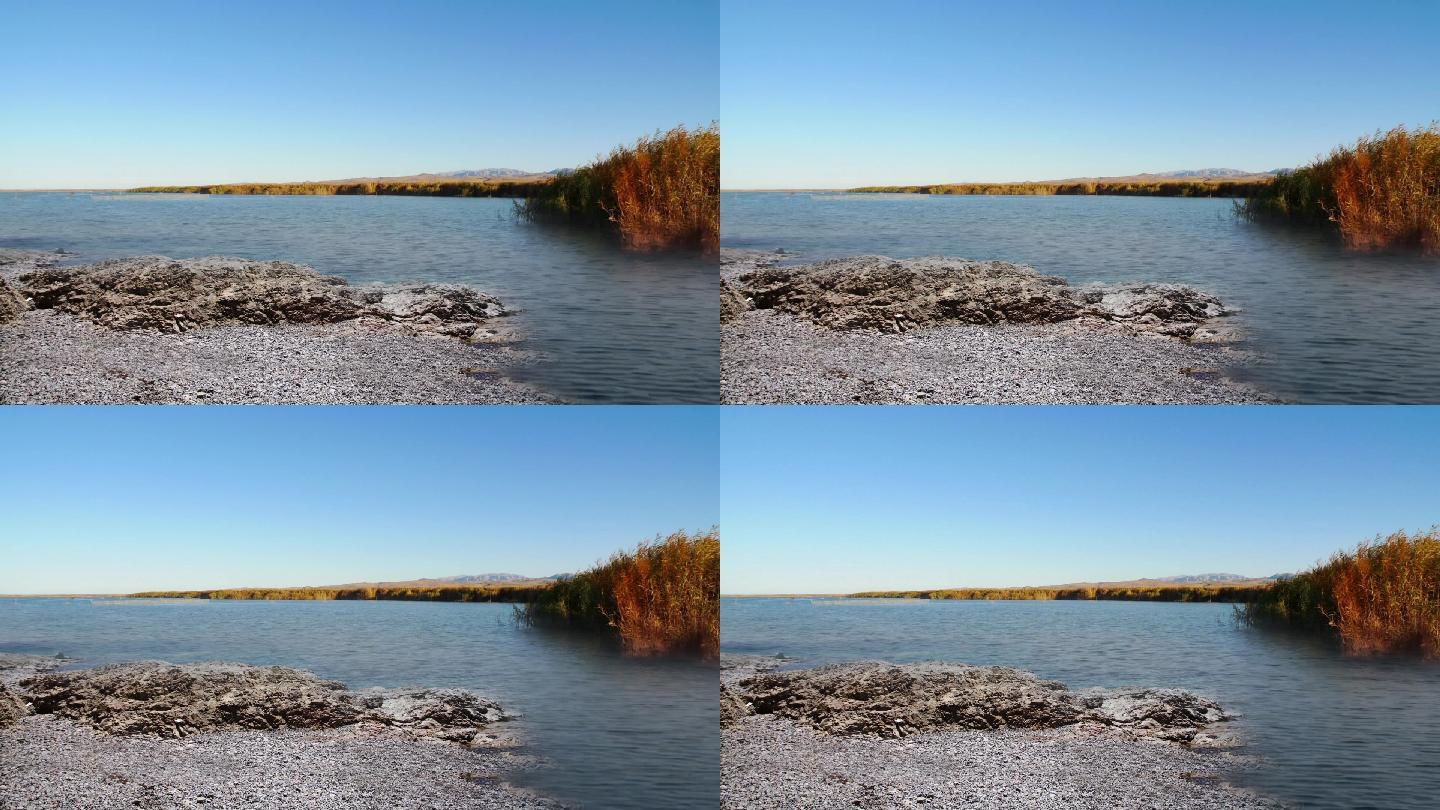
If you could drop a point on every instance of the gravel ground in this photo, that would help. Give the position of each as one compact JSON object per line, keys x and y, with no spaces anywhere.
{"x":770,"y":357}
{"x":50,"y":762}
{"x":768,"y":761}
{"x":50,"y":357}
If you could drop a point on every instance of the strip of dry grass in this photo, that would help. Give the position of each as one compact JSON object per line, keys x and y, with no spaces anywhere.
{"x":663,"y":192}
{"x":1178,"y":593}
{"x":1384,"y":597}
{"x":1175,"y":188}
{"x":1383,"y":192}
{"x":455,"y":593}
{"x":455,"y":188}
{"x":662,"y":598}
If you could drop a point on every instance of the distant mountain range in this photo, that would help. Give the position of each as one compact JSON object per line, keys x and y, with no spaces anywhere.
{"x":511,"y":175}
{"x":1179,"y":174}
{"x":461,"y":579}
{"x":1182,"y":579}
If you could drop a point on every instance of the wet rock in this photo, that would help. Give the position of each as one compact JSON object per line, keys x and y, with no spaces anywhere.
{"x":168,"y":700}
{"x":170,"y":295}
{"x":895,"y":701}
{"x":889,"y":295}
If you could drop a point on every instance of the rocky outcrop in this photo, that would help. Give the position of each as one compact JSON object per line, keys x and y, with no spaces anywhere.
{"x":12,"y":706}
{"x":895,"y":701}
{"x":733,"y":706}
{"x":732,"y":302}
{"x":12,"y":302}
{"x":170,"y":295}
{"x":889,"y":295}
{"x":171,"y":700}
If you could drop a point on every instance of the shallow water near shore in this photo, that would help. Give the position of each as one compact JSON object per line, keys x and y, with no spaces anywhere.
{"x":621,"y":732}
{"x":1335,"y":731}
{"x":615,"y":326}
{"x":1335,"y":326}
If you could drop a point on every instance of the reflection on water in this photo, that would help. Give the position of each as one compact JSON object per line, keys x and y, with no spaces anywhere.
{"x":623,"y":732}
{"x":1336,"y":326}
{"x":617,"y":326}
{"x":1336,"y":731}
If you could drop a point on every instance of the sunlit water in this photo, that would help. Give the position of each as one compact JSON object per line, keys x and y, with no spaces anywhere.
{"x":1335,"y":325}
{"x":1334,"y":731}
{"x":617,"y":326}
{"x":622,"y":732}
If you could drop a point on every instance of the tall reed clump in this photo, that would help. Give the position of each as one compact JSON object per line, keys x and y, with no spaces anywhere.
{"x":662,"y":598}
{"x":1384,"y":597}
{"x":663,"y":192}
{"x":1383,"y":192}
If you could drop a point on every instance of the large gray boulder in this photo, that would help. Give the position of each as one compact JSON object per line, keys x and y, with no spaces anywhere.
{"x":169,"y":700}
{"x":889,"y":295}
{"x":170,"y":295}
{"x":897,"y":700}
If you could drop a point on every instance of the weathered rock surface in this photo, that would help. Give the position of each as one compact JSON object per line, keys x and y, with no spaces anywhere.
{"x":898,"y":700}
{"x":889,"y":295}
{"x":170,"y":295}
{"x":12,"y":706}
{"x":732,"y":302}
{"x":169,"y":700}
{"x":12,"y":302}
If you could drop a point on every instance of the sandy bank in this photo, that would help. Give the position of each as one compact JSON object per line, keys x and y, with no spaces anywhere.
{"x":216,"y":330}
{"x":156,"y":735}
{"x":876,"y":330}
{"x":950,"y":736}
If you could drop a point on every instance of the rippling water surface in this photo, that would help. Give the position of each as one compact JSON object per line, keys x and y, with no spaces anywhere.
{"x":617,"y":326}
{"x":1336,"y":326}
{"x":1336,"y":731}
{"x":623,"y":732}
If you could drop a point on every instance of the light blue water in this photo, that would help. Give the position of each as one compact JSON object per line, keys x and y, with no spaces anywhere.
{"x":618,"y":326}
{"x":1336,"y":731}
{"x":1335,"y":325}
{"x":622,"y":732}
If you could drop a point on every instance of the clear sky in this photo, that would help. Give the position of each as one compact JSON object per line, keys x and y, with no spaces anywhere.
{"x":106,"y":500}
{"x":827,"y":500}
{"x":104,"y":94}
{"x":839,"y":93}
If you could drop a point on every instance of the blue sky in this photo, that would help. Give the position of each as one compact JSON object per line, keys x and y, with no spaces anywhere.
{"x":105,"y":500}
{"x":104,"y":94}
{"x":839,"y":93}
{"x":826,"y":500}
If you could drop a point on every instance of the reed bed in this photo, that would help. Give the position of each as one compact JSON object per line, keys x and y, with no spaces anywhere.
{"x":449,"y":593}
{"x":662,"y":192}
{"x":662,"y":598}
{"x":1381,"y":193}
{"x":1383,"y":597}
{"x":1177,"y":188}
{"x":1178,"y":593}
{"x":455,"y":188}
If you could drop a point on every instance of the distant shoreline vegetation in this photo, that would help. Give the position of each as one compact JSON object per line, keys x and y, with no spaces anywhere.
{"x":1168,"y":188}
{"x":663,"y":192}
{"x":448,"y":593}
{"x":448,"y":188}
{"x":1185,"y":593}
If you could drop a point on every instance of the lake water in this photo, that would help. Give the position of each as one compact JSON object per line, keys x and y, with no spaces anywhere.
{"x":622,"y":732}
{"x":1336,"y":731}
{"x":617,"y":326}
{"x":1335,"y":325}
